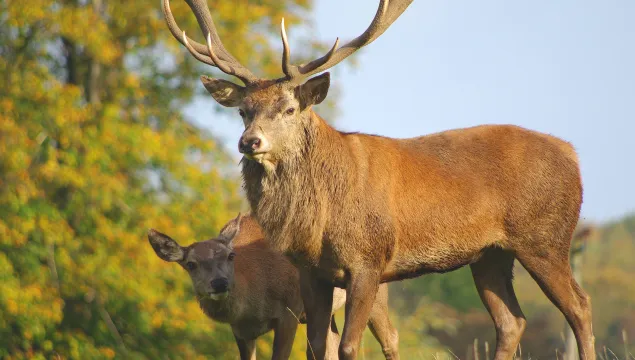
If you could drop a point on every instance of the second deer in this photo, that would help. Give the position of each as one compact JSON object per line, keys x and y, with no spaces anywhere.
{"x":238,"y":280}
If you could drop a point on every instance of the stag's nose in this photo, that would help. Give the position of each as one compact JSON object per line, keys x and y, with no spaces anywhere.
{"x":250,"y":144}
{"x":220,"y":285}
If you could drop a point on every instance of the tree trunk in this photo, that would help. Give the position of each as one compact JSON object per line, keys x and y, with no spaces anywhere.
{"x":94,"y":67}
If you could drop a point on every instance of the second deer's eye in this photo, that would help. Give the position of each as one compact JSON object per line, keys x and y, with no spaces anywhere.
{"x":190,"y":265}
{"x":290,"y":111}
{"x":231,"y":256}
{"x":241,"y":112}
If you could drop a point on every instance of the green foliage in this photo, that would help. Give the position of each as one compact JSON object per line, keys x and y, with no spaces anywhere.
{"x":94,"y":150}
{"x":455,"y":289}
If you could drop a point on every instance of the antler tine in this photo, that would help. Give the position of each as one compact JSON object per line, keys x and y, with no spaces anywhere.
{"x":287,"y":68}
{"x":220,"y":57}
{"x":290,"y":70}
{"x":206,"y":23}
{"x":176,"y":30}
{"x":197,"y":55}
{"x":212,"y":54}
{"x":209,"y":60}
{"x":387,"y":12}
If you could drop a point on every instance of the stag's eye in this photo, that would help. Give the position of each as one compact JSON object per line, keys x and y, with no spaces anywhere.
{"x":290,"y":111}
{"x":231,"y":256}
{"x":241,"y":113}
{"x":190,"y":265}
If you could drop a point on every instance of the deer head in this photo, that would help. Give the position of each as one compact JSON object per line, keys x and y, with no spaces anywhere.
{"x":210,"y":263}
{"x":275,"y":112}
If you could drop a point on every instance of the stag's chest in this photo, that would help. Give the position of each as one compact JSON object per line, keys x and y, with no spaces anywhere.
{"x":345,"y":252}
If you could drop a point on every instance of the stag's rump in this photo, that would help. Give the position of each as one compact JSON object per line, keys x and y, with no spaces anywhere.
{"x":450,"y":195}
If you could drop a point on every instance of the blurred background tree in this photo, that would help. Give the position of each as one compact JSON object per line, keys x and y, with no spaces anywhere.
{"x":94,"y":150}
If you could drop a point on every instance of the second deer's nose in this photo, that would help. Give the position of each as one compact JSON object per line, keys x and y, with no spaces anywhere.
{"x":220,"y":285}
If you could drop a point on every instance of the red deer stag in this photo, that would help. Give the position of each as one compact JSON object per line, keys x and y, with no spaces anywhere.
{"x":238,"y":280}
{"x":355,"y":210}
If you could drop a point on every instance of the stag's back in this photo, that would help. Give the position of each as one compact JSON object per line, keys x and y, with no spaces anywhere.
{"x":435,"y":202}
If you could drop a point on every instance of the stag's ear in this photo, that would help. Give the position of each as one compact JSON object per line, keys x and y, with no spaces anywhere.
{"x":224,"y":92}
{"x":230,"y":230}
{"x":166,"y":248}
{"x":313,"y":91}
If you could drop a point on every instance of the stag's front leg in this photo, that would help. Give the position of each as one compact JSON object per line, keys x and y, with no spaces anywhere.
{"x":317,"y":296}
{"x":360,"y":296}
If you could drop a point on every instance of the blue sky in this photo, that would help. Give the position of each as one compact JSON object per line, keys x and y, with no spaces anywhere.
{"x":563,"y":67}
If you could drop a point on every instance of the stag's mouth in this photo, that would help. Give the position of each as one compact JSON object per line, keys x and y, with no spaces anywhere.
{"x":262,"y":158}
{"x":258,"y":157}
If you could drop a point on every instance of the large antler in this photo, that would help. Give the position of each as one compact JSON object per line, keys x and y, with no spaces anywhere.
{"x":387,"y":13}
{"x":213,"y":53}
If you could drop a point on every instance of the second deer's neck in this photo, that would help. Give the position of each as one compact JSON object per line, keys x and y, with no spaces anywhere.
{"x":220,"y":310}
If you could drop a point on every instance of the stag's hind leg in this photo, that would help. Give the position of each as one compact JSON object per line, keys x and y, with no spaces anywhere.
{"x":493,"y":278}
{"x":381,"y":327}
{"x":551,"y":270}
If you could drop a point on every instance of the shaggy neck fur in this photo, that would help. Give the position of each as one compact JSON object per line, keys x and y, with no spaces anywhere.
{"x":291,"y":201}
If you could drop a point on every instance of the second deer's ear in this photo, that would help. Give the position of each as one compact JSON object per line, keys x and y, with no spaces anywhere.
{"x":230,"y":231}
{"x":314,"y":90}
{"x":165,"y":247}
{"x":224,"y":92}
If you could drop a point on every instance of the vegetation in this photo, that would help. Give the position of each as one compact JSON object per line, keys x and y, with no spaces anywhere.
{"x":94,"y":150}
